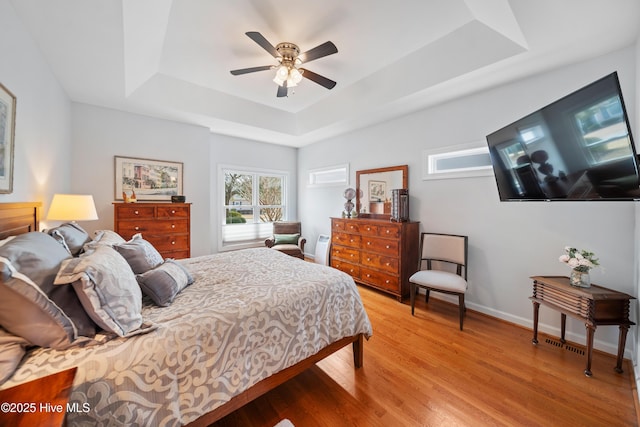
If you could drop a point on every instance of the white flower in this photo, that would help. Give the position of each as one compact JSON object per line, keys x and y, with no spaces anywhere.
{"x":564,"y":258}
{"x":581,"y":260}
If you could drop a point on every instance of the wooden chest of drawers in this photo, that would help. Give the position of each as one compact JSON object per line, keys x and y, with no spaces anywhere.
{"x":376,"y":253}
{"x":167,"y":226}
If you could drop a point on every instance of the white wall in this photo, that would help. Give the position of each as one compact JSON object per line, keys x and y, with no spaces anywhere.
{"x":509,"y":242}
{"x":99,"y":134}
{"x":43,"y":116}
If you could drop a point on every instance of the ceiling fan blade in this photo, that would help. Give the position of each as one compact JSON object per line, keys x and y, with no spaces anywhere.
{"x":282,"y":90}
{"x":325,"y":49}
{"x":317,"y":78}
{"x":251,"y":70}
{"x":264,"y":43}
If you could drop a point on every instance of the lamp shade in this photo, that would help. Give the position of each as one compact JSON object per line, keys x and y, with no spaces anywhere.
{"x":72,"y":207}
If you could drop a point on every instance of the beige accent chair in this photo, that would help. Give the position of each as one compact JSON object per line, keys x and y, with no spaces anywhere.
{"x":442,"y":254}
{"x":287,"y":238}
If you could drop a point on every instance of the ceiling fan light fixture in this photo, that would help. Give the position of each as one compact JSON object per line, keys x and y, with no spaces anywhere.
{"x":295,"y":75}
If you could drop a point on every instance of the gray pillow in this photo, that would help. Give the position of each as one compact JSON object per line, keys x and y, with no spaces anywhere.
{"x":30,"y":306}
{"x":103,"y":237}
{"x":140,"y":254}
{"x":12,"y":350}
{"x":107,"y":289}
{"x":71,"y":236}
{"x":164,"y":282}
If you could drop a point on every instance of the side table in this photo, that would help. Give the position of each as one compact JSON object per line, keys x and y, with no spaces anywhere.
{"x":595,"y":305}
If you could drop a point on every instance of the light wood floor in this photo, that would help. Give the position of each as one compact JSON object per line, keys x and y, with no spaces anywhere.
{"x":422,"y":371}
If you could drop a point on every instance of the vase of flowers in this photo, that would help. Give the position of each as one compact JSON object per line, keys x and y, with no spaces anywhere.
{"x":581,"y":262}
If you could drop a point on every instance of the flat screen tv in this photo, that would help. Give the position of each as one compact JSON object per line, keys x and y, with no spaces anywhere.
{"x":577,"y":148}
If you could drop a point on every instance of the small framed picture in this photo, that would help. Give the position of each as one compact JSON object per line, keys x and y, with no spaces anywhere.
{"x":377,"y":191}
{"x":149,"y":179}
{"x":7,"y":137}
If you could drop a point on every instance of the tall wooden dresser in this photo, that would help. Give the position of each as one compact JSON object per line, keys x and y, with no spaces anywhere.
{"x":376,"y":253}
{"x":167,"y":226}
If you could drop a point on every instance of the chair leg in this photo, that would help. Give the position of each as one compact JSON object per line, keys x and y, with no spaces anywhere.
{"x":412,"y":296}
{"x":462,"y":308}
{"x":426,"y":298}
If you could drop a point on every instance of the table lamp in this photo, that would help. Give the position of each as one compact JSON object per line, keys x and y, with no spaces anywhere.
{"x":72,"y":207}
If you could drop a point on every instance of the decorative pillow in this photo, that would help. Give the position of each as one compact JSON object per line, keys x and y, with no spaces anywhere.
{"x":107,"y":289}
{"x":71,"y":236}
{"x":286,"y":239}
{"x":103,"y":237}
{"x":140,"y":254}
{"x":164,"y":282}
{"x":30,"y":306}
{"x":12,"y":350}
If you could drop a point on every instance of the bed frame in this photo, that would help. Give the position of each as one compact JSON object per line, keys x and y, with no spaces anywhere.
{"x":19,"y":218}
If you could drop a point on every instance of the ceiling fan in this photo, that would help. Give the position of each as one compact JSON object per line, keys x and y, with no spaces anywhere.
{"x":288,"y":73}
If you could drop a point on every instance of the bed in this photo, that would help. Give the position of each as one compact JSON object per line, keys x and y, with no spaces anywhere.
{"x":250,"y":320}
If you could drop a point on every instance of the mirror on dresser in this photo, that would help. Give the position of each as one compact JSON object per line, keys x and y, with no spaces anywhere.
{"x":373,"y":199}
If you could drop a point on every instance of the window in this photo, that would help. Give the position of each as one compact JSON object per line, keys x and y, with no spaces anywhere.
{"x":333,"y":175}
{"x":456,"y":162}
{"x":253,"y":200}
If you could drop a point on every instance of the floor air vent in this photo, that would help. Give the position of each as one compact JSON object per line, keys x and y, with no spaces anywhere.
{"x":566,"y":346}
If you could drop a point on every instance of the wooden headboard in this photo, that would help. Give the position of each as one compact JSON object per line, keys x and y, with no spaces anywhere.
{"x":18,"y":218}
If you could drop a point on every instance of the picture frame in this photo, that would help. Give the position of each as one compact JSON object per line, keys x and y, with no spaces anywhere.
{"x":377,"y":191}
{"x":7,"y":138}
{"x":150,"y":179}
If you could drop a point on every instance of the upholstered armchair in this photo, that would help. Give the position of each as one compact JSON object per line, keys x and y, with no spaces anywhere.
{"x":287,"y":238}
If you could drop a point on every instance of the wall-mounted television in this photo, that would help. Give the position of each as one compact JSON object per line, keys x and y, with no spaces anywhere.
{"x":577,"y":148}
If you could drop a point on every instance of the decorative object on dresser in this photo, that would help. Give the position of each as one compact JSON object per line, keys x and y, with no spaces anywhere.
{"x":437,"y":251}
{"x":147,"y":179}
{"x":287,"y":238}
{"x":166,"y":225}
{"x":7,"y":137}
{"x":376,"y":253}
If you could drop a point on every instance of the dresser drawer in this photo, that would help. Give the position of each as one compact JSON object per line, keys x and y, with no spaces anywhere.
{"x":351,"y":269}
{"x":379,"y":279}
{"x":135,"y":211}
{"x":168,"y":243}
{"x":345,"y":253}
{"x":173,"y":211}
{"x":148,"y":227}
{"x":391,"y":231}
{"x":351,"y":227}
{"x":368,"y":229}
{"x":380,"y":262}
{"x":337,"y":225}
{"x":381,"y":246}
{"x":344,"y":239}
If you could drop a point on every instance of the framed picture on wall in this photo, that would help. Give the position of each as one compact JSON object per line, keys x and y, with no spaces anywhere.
{"x":7,"y":137}
{"x":150,"y":179}
{"x":377,"y":191}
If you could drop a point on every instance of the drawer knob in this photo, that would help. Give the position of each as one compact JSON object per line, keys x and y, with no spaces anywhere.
{"x":388,"y":246}
{"x":388,"y":231}
{"x":387,"y":281}
{"x":368,"y":243}
{"x":173,"y":243}
{"x":173,"y":211}
{"x":351,"y":255}
{"x":351,"y":271}
{"x":136,"y":228}
{"x":368,"y":275}
{"x":368,"y":228}
{"x":368,"y":259}
{"x":136,"y":212}
{"x":173,"y":226}
{"x":351,"y":240}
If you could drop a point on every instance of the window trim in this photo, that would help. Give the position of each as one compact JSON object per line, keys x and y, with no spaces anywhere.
{"x":221,"y":207}
{"x":429,"y":157}
{"x":311,"y":182}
